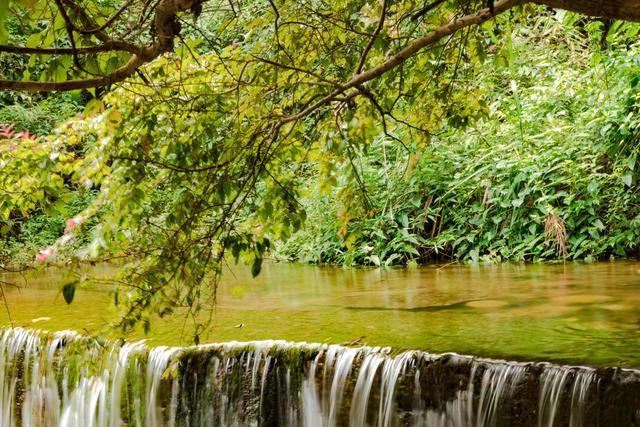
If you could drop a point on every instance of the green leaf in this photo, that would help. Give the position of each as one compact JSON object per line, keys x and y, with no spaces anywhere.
{"x":69,"y":291}
{"x":627,"y":179}
{"x":34,"y":40}
{"x":94,"y":106}
{"x":4,"y":33}
{"x":256,"y":267}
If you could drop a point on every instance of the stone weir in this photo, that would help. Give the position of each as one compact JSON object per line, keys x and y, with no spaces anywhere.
{"x":68,"y":380}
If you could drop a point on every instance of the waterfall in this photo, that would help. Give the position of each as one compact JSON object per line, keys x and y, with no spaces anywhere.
{"x":64,"y":379}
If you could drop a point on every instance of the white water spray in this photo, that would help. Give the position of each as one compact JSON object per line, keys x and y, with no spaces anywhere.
{"x":66,"y":380}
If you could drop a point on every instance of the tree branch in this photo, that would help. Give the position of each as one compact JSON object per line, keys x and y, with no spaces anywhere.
{"x":118,"y":75}
{"x":110,"y":20}
{"x":69,"y":27}
{"x":628,"y":10}
{"x":106,"y":47}
{"x":408,"y":51}
{"x":372,"y":39}
{"x":294,"y":68}
{"x":419,"y":14}
{"x":166,"y":27}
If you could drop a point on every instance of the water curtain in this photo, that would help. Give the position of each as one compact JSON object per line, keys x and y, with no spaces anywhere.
{"x":69,"y":380}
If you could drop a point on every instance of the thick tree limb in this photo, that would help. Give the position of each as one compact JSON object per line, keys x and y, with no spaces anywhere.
{"x":410,"y":50}
{"x":628,"y":10}
{"x":166,"y":27}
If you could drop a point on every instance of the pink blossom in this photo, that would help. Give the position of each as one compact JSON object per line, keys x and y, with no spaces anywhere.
{"x":73,"y":223}
{"x":44,"y":254}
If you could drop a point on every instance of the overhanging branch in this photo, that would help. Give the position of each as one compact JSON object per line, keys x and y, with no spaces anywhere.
{"x":166,"y":30}
{"x":628,"y":10}
{"x":407,"y":52}
{"x":118,"y":75}
{"x":106,"y":47}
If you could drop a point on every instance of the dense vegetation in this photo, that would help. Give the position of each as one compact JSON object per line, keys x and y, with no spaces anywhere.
{"x":548,"y":171}
{"x":510,"y":139}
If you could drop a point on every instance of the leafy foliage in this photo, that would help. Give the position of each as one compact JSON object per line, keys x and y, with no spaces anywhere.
{"x":39,"y":118}
{"x":208,"y":161}
{"x":548,"y":174}
{"x":82,"y":44}
{"x":205,"y":154}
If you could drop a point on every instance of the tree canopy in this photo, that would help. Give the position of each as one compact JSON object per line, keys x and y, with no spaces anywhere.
{"x":197,"y":154}
{"x":107,"y":41}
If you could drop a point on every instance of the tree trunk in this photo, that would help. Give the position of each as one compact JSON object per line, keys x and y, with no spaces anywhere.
{"x":628,"y":10}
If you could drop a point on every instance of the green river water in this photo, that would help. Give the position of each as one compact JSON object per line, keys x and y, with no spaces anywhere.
{"x":578,"y":314}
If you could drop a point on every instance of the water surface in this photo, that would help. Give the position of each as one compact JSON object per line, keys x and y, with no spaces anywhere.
{"x":578,"y":314}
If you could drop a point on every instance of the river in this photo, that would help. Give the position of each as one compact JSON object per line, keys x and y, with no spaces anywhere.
{"x":572,"y":313}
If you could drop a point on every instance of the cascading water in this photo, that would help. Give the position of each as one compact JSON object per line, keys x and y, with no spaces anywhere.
{"x":67,"y":380}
